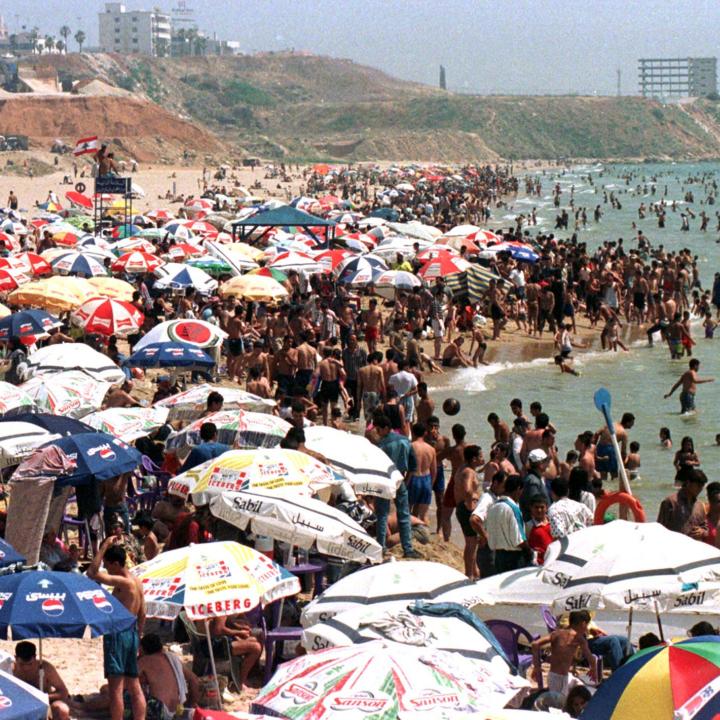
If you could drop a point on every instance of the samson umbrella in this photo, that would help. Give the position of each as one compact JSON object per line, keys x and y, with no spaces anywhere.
{"x":128,"y":424}
{"x":298,"y":520}
{"x":442,"y":266}
{"x":53,"y":359}
{"x":195,"y":332}
{"x":137,"y":262}
{"x":391,"y":583}
{"x":14,"y":399}
{"x":11,"y":279}
{"x":170,"y":354}
{"x":192,"y":403}
{"x":71,"y":393}
{"x":29,"y":262}
{"x":106,"y":316}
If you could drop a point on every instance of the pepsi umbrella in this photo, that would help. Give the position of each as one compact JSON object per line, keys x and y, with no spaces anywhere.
{"x":170,"y":354}
{"x":98,"y":456}
{"x":56,"y":424}
{"x":20,"y":701}
{"x":26,"y":323}
{"x":9,"y":555}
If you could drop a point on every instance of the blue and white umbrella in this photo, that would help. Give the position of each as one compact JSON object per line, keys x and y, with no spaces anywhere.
{"x":76,"y":263}
{"x":170,"y":354}
{"x":26,"y":323}
{"x":359,"y":270}
{"x":20,"y":701}
{"x":178,"y":276}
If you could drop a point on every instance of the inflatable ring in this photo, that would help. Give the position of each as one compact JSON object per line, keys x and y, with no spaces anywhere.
{"x":80,"y":187}
{"x":622,"y":499}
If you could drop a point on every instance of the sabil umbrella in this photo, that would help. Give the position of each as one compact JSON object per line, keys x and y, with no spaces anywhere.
{"x":191,"y":403}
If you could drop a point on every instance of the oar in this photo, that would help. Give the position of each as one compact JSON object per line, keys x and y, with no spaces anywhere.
{"x":603,"y":402}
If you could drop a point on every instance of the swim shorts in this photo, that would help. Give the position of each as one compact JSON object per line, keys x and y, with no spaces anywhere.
{"x":449,"y":497}
{"x":370,"y":400}
{"x":372,"y":332}
{"x":120,"y":651}
{"x":235,"y":346}
{"x":420,"y":490}
{"x":463,"y":516}
{"x":448,"y":362}
{"x":439,"y":486}
{"x":605,"y":460}
{"x":302,"y":379}
{"x":687,"y":402}
{"x":329,"y":391}
{"x":438,"y":327}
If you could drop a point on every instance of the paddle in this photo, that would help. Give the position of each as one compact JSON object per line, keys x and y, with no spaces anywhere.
{"x":603,"y":402}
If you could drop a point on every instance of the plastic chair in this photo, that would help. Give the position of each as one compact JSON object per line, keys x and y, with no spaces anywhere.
{"x":549,"y":619}
{"x":83,"y":530}
{"x":510,"y":635}
{"x":276,"y":634}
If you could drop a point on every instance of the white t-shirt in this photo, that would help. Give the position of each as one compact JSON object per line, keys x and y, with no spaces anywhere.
{"x":517,"y":277}
{"x":486,"y":501}
{"x":502,"y":527}
{"x":403,"y":382}
{"x":566,"y":516}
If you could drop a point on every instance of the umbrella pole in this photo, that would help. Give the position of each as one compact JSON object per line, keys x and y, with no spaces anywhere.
{"x":630,"y":619}
{"x":212,"y":664}
{"x":659,"y":622}
{"x":41,"y":676}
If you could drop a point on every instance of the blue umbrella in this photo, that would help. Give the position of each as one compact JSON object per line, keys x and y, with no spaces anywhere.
{"x":522,"y":253}
{"x":360,"y":270}
{"x":386,"y":213}
{"x":9,"y":555}
{"x":20,"y":701}
{"x":55,"y":424}
{"x":43,"y":604}
{"x":75,"y":263}
{"x":170,"y":354}
{"x":26,"y":323}
{"x":99,"y":456}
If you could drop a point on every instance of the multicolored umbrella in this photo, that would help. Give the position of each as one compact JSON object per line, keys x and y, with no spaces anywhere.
{"x":108,"y":317}
{"x":194,"y":332}
{"x":183,"y":251}
{"x":133,"y":244}
{"x":384,"y":681}
{"x":67,"y":238}
{"x":270,"y":272}
{"x":191,"y":403}
{"x":137,"y":262}
{"x":359,"y":270}
{"x":20,"y":701}
{"x":71,"y":393}
{"x":296,"y":261}
{"x":211,"y":265}
{"x":666,"y":682}
{"x":13,"y":397}
{"x":212,"y":580}
{"x":239,"y":470}
{"x":128,"y":424}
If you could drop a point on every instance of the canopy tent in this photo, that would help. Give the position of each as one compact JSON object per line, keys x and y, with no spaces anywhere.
{"x":285,"y":216}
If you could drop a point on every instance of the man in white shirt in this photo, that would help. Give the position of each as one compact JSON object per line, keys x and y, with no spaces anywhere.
{"x":517,"y":278}
{"x":566,"y":515}
{"x":506,"y":530}
{"x":405,"y":385}
{"x":485,"y":556}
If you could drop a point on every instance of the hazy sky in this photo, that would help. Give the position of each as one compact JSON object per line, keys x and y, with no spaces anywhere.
{"x":489,"y":46}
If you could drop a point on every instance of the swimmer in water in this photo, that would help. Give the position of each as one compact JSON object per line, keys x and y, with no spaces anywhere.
{"x":632,"y":461}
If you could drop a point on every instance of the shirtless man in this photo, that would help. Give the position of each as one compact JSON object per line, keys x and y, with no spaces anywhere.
{"x":306,"y":362}
{"x":235,"y":329}
{"x":425,"y":405}
{"x":243,"y":643}
{"x":121,"y":397}
{"x":329,"y":371}
{"x":165,"y":679}
{"x":284,"y":365}
{"x":372,"y":319}
{"x":258,"y":384}
{"x":498,"y":461}
{"x":532,"y":294}
{"x":120,"y":649}
{"x":27,"y":668}
{"x":564,"y":644}
{"x":440,"y":444}
{"x":423,"y":477}
{"x":677,"y":337}
{"x":371,"y":384}
{"x":533,"y":438}
{"x":501,"y":431}
{"x":453,"y":356}
{"x":455,"y":454}
{"x":467,"y":494}
{"x":605,"y":460}
{"x":689,"y":381}
{"x":586,"y":454}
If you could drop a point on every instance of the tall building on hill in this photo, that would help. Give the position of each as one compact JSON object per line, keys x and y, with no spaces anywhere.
{"x":134,"y":32}
{"x":663,"y":78}
{"x":443,"y":80}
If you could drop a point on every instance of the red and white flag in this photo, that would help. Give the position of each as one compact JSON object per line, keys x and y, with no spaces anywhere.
{"x":86,"y":145}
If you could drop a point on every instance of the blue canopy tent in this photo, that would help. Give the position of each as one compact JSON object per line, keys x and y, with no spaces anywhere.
{"x":286,"y":216}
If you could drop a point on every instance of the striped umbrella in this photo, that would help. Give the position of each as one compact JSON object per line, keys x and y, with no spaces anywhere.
{"x":136,"y":262}
{"x":270,"y":272}
{"x":359,"y":270}
{"x":299,"y":261}
{"x":178,"y":276}
{"x":666,"y":682}
{"x":28,"y":262}
{"x":133,"y":243}
{"x":75,"y":263}
{"x":12,"y":279}
{"x":441,"y":266}
{"x":108,"y":317}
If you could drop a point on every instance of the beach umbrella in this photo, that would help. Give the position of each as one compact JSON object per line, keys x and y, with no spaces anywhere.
{"x":56,"y":424}
{"x":253,"y":287}
{"x":9,"y":241}
{"x":238,"y":470}
{"x":385,"y":213}
{"x":160,"y":215}
{"x":69,"y":238}
{"x":137,"y":262}
{"x":238,"y":262}
{"x":74,"y":356}
{"x":177,"y":276}
{"x":201,"y":227}
{"x":457,"y":242}
{"x":84,"y":223}
{"x":385,"y":680}
{"x":75,"y":263}
{"x":442,"y":626}
{"x":366,"y":466}
{"x":108,"y":317}
{"x":665,"y":682}
{"x":330,"y":259}
{"x":98,"y":456}
{"x":462,"y":231}
{"x":11,"y":279}
{"x":396,"y":280}
{"x":21,"y":701}
{"x":112,"y":287}
{"x":183,"y":251}
{"x":270,"y":272}
{"x":125,"y":231}
{"x":299,"y":261}
{"x":442,"y":266}
{"x":10,"y":556}
{"x":20,"y":439}
{"x":433,"y":251}
{"x":194,"y":332}
{"x":93,"y":243}
{"x":359,"y":270}
{"x":245,"y":250}
{"x":170,"y":354}
{"x":133,"y":244}
{"x":237,"y":428}
{"x":191,"y":403}
{"x":55,"y":294}
{"x":27,"y":323}
{"x":46,"y":604}
{"x":72,"y":393}
{"x":4,"y":311}
{"x":128,"y":424}
{"x":79,"y":199}
{"x":298,"y":520}
{"x":517,"y":251}
{"x":390,"y":583}
{"x":14,"y":398}
{"x":29,"y":263}
{"x":624,"y":565}
{"x":211,"y":265}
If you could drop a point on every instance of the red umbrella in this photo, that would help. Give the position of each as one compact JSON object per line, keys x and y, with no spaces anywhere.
{"x":79,"y":199}
{"x":137,"y":262}
{"x":29,"y":263}
{"x":444,"y":264}
{"x":184,"y":250}
{"x":332,"y":258}
{"x":11,"y":279}
{"x":108,"y":317}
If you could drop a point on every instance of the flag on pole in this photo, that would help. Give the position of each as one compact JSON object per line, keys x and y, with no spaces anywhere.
{"x":86,"y":145}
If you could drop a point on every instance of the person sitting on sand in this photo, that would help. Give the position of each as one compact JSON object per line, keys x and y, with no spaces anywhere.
{"x":27,"y":668}
{"x":453,"y":356}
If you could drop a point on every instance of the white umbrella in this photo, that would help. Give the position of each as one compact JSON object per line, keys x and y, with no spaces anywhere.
{"x":71,"y":393}
{"x":462,"y":230}
{"x":386,"y":283}
{"x":299,"y":520}
{"x":128,"y":424}
{"x":395,"y":583}
{"x":74,"y":356}
{"x":196,"y":332}
{"x":178,"y":276}
{"x":366,"y":466}
{"x":293,"y":260}
{"x":18,"y":439}
{"x":13,"y":397}
{"x":624,"y":565}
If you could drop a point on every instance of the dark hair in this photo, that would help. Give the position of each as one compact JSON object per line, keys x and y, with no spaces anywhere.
{"x":702,"y":628}
{"x":535,"y":405}
{"x":578,"y":616}
{"x":492,"y":417}
{"x":471,"y":452}
{"x":145,"y":522}
{"x":648,"y":640}
{"x":382,"y":422}
{"x":538,"y":500}
{"x":516,"y":402}
{"x":579,"y":691}
{"x":713,"y":489}
{"x":499,"y":476}
{"x":298,"y":406}
{"x":208,"y":431}
{"x":578,"y":481}
{"x":697,"y":476}
{"x":458,"y":432}
{"x":512,"y":483}
{"x":151,"y":644}
{"x":418,"y":429}
{"x":627,"y":418}
{"x":433,"y":421}
{"x":559,"y":487}
{"x":422,"y":386}
{"x":25,"y":650}
{"x":542,"y":421}
{"x":634,"y":446}
{"x":694,"y":364}
{"x":117,"y":554}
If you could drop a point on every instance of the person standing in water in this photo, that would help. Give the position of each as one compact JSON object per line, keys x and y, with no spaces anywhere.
{"x":689,"y":381}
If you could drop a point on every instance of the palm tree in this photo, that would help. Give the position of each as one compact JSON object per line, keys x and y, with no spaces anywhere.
{"x":200,"y":45}
{"x":49,"y":43}
{"x":191,"y":36}
{"x":65,"y":32}
{"x":13,"y":43}
{"x":181,"y":36}
{"x":60,"y":45}
{"x":80,"y":39}
{"x":34,"y":37}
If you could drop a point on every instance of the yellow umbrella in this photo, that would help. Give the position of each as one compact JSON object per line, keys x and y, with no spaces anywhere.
{"x":248,"y":251}
{"x":112,"y":287}
{"x":5,"y":311}
{"x":254,"y":287}
{"x":54,"y":294}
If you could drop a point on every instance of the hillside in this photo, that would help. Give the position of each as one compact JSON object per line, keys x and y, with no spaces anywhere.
{"x":312,"y":107}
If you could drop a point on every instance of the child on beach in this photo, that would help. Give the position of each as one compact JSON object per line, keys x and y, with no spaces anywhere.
{"x":565,"y":366}
{"x":632,"y":462}
{"x":709,"y":324}
{"x":665,"y":438}
{"x":686,"y":455}
{"x":571,"y":460}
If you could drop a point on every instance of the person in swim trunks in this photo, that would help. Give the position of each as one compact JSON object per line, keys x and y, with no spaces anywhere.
{"x":467,"y":493}
{"x":423,"y":478}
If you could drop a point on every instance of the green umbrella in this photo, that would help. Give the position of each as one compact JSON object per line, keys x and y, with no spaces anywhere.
{"x":211,"y":265}
{"x":79,"y":220}
{"x":281,"y":277}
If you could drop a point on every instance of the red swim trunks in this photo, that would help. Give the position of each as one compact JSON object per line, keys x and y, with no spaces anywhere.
{"x":371,"y":332}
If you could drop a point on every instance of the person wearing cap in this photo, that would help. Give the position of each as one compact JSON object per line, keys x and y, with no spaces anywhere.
{"x":534,"y":482}
{"x":165,"y":388}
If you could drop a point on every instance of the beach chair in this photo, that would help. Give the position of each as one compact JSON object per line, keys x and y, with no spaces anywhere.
{"x":83,"y":530}
{"x":511,"y":636}
{"x":276,"y":635}
{"x":548,"y":618}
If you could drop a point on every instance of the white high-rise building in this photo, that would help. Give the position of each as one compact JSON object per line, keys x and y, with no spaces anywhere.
{"x":138,"y":32}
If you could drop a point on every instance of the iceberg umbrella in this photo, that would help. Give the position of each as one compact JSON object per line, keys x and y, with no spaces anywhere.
{"x":53,"y":359}
{"x":128,"y":424}
{"x":20,"y":439}
{"x":191,"y":403}
{"x":194,"y":332}
{"x":298,"y":520}
{"x":71,"y":393}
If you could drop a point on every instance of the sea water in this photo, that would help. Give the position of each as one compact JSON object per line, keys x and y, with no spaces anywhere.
{"x":638,"y":379}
